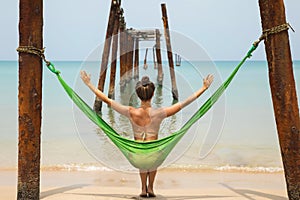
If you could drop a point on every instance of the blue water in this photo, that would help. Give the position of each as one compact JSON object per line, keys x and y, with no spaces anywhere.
{"x":238,"y":133}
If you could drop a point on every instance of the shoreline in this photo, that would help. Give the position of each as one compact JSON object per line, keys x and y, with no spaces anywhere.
{"x":87,"y":167}
{"x":170,"y":184}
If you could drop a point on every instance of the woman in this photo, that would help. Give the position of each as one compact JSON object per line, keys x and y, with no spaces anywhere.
{"x":146,"y":120}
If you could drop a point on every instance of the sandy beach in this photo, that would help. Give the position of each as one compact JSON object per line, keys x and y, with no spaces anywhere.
{"x":170,"y":184}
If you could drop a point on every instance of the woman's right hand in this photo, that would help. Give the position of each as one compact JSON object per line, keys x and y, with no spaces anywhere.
{"x":85,"y":77}
{"x":207,"y":81}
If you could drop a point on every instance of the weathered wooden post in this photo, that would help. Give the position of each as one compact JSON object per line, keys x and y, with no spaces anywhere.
{"x":105,"y":54}
{"x":136,"y":58}
{"x":123,"y":55}
{"x":129,"y":65}
{"x":160,"y":74}
{"x":114,"y":54}
{"x":169,"y":49}
{"x":283,"y":91}
{"x":145,"y":59}
{"x":126,"y":57}
{"x":153,"y":55}
{"x":30,"y":99}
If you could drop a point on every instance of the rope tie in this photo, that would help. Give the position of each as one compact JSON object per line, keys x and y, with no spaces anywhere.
{"x":38,"y":52}
{"x":274,"y":30}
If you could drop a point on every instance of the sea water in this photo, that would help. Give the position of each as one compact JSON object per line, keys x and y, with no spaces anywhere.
{"x":238,"y":133}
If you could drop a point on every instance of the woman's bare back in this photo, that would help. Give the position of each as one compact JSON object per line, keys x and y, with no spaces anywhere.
{"x":146,"y":122}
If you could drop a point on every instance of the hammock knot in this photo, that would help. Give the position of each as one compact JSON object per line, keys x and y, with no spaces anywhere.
{"x":52,"y":68}
{"x":249,"y":53}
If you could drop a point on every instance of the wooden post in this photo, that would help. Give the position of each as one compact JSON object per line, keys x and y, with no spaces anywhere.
{"x":153,"y":54}
{"x":130,"y":49}
{"x":114,"y":54}
{"x":30,"y":99}
{"x":105,"y":54}
{"x":136,"y":59}
{"x":169,"y":49}
{"x":145,"y":59}
{"x":126,"y":55}
{"x":122,"y":52}
{"x":160,"y":74}
{"x":283,"y":91}
{"x":177,"y":59}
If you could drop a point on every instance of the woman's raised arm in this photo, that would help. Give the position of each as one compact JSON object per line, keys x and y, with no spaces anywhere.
{"x":124,"y":110}
{"x":180,"y":105}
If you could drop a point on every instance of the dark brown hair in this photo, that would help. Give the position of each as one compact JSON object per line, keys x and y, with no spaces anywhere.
{"x":145,"y":89}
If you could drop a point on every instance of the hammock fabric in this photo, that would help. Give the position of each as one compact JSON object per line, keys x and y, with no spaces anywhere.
{"x":150,"y":154}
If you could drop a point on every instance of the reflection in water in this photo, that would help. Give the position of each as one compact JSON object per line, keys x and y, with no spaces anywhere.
{"x":158,"y":97}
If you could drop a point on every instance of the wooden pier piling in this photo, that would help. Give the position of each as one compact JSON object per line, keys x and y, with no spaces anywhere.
{"x":283,"y":91}
{"x":160,"y":74}
{"x":130,"y":53}
{"x":123,"y":56}
{"x":169,"y":49}
{"x":30,"y":99}
{"x":136,"y":58}
{"x":113,"y":66}
{"x":106,"y":52}
{"x":145,"y":59}
{"x":154,"y":58}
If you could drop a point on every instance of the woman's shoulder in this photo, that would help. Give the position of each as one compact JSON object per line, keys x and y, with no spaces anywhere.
{"x":159,"y":112}
{"x":136,"y":111}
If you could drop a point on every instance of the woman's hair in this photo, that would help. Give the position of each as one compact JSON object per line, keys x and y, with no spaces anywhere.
{"x":145,"y":89}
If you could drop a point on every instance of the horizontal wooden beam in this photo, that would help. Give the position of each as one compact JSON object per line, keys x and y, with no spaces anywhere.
{"x":146,"y":35}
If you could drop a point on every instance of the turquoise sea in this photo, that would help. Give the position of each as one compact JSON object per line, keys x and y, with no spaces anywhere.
{"x":239,"y":133}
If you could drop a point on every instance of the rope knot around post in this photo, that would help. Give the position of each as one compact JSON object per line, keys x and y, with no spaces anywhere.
{"x":273,"y":30}
{"x":40,"y":53}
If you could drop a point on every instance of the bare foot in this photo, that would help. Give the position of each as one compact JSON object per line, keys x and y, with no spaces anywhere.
{"x":144,"y":193}
{"x":151,"y":193}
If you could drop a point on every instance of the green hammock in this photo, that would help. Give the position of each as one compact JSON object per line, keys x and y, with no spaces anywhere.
{"x":150,"y":154}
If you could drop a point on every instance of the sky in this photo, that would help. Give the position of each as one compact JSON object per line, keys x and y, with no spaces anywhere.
{"x":72,"y":29}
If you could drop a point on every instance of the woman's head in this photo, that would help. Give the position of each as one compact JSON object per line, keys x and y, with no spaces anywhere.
{"x":145,"y":89}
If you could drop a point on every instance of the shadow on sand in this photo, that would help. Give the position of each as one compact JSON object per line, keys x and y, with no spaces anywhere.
{"x":60,"y":190}
{"x":246,"y":192}
{"x":158,"y":197}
